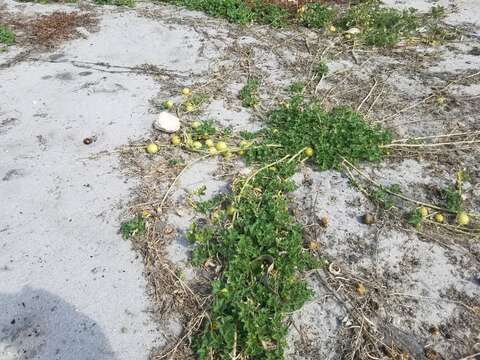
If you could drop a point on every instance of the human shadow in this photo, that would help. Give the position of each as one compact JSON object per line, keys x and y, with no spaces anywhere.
{"x":38,"y":325}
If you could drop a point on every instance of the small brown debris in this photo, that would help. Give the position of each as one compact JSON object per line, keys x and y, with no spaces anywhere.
{"x":431,"y":354}
{"x":168,"y":229}
{"x":368,"y":219}
{"x":324,"y":221}
{"x":434,"y":331}
{"x":360,"y":289}
{"x":87,"y":140}
{"x":50,"y":30}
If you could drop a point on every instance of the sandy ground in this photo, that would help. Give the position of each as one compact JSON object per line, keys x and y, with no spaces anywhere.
{"x":71,"y":288}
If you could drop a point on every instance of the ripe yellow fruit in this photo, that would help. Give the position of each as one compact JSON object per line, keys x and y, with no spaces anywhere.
{"x":439,"y":218}
{"x":189,"y":107}
{"x":197,"y":145}
{"x":463,"y":219}
{"x":221,"y":146}
{"x":212,"y":151}
{"x":308,"y":152}
{"x":152,"y":148}
{"x":176,"y":140}
{"x":196,"y":124}
{"x":186,"y":91}
{"x":423,"y":211}
{"x":168,"y":104}
{"x":209,"y":143}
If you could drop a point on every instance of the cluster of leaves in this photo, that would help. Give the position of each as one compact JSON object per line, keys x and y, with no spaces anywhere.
{"x":316,"y":15}
{"x":453,"y":199}
{"x":239,"y":11}
{"x":7,"y":36}
{"x":132,"y":227}
{"x":333,"y":135}
{"x":415,"y":218}
{"x":320,"y":69}
{"x":384,"y":196}
{"x":380,"y":26}
{"x":128,"y":3}
{"x":249,"y":93}
{"x":206,"y":130}
{"x":259,"y":245}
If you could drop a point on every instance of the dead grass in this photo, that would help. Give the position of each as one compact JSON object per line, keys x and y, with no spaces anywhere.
{"x":50,"y":30}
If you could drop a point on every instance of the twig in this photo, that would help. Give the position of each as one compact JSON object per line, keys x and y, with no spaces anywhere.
{"x":368,"y":95}
{"x":431,"y":206}
{"x":436,"y":136}
{"x":393,"y":145}
{"x":471,"y":357}
{"x":428,"y":97}
{"x":177,"y":177}
{"x":432,"y":298}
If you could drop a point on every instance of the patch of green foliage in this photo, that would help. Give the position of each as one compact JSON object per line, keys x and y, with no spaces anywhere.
{"x":239,"y":11}
{"x":380,"y":26}
{"x":255,"y":237}
{"x":297,"y":87}
{"x":207,"y":206}
{"x":317,"y":15}
{"x":384,"y":196}
{"x":249,"y":93}
{"x":333,"y":135}
{"x":453,"y":199}
{"x":176,"y":162}
{"x":320,"y":69}
{"x":7,"y":36}
{"x":415,"y":218}
{"x":204,"y":131}
{"x":436,"y":30}
{"x":198,"y":99}
{"x":259,"y":245}
{"x":132,"y":227}
{"x":128,"y":3}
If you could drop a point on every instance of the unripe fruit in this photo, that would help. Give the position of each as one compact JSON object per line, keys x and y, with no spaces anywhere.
{"x":221,"y":146}
{"x":176,"y":140}
{"x":168,"y":104}
{"x":308,"y":152}
{"x":423,"y":211}
{"x":152,"y":148}
{"x":209,"y":143}
{"x":463,"y":219}
{"x":196,"y":124}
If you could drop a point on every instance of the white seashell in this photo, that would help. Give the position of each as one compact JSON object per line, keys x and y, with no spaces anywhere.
{"x":167,"y":122}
